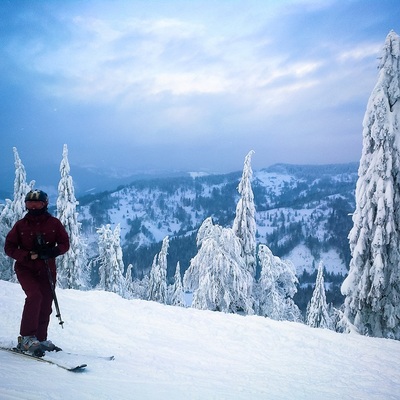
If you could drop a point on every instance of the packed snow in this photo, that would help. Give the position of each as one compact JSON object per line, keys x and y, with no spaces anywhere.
{"x":165,"y":352}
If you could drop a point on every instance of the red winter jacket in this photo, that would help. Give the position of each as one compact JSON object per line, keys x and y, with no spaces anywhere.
{"x":22,"y":239}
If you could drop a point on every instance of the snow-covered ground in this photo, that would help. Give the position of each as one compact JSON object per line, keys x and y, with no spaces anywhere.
{"x":302,"y":259}
{"x":164,"y":352}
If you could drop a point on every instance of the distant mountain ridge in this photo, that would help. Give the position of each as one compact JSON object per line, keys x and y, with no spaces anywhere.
{"x":86,"y":179}
{"x":312,"y":169}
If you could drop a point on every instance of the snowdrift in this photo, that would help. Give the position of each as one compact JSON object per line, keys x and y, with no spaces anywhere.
{"x":164,"y":352}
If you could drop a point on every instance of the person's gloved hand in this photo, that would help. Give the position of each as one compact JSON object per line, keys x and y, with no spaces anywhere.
{"x":48,"y":252}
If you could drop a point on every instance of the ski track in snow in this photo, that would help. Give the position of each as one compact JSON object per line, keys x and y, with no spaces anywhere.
{"x":164,"y":352}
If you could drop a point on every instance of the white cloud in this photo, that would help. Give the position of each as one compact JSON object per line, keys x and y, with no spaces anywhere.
{"x":360,"y":52}
{"x":189,"y":83}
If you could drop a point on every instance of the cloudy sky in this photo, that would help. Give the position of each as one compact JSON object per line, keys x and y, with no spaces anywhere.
{"x":144,"y":85}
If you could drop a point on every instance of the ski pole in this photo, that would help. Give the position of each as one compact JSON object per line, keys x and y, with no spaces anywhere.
{"x":53,"y":291}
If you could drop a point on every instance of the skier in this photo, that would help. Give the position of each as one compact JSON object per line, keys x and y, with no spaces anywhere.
{"x":34,"y":242}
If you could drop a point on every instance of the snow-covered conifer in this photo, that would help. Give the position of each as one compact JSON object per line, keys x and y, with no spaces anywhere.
{"x":217,"y":274}
{"x":176,"y":290}
{"x":72,"y":266}
{"x":6,"y":263}
{"x":111,"y":266}
{"x":11,"y":213}
{"x":372,"y":287}
{"x":136,"y":288}
{"x":21,"y":188}
{"x":158,"y":275}
{"x":317,"y":309}
{"x":244,"y":224}
{"x":191,"y":277}
{"x":276,"y":287}
{"x":140,"y":288}
{"x":129,"y":286}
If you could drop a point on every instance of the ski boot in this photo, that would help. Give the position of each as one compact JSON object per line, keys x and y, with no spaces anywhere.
{"x":30,"y":345}
{"x":48,"y":345}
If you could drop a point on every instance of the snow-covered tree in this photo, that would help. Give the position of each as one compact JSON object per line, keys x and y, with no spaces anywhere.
{"x":6,"y":223}
{"x":217,"y":274}
{"x":72,"y":266}
{"x":158,"y":275}
{"x":276,"y":287}
{"x":176,"y":290}
{"x":21,"y":188}
{"x":244,"y":224}
{"x":317,"y":309}
{"x":372,"y":287}
{"x":134,"y":287}
{"x":111,"y":266}
{"x":129,"y":286}
{"x":11,"y":213}
{"x":140,"y":288}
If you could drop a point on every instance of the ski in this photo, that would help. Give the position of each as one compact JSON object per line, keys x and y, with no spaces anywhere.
{"x":93,"y":356}
{"x":74,"y":368}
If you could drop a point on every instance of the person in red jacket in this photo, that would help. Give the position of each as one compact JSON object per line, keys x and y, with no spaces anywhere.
{"x":34,"y":242}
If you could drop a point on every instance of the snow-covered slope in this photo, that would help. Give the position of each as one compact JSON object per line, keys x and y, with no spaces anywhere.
{"x":164,"y":352}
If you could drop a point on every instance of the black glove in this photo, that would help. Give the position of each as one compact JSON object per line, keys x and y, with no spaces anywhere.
{"x":48,"y":252}
{"x":45,"y":250}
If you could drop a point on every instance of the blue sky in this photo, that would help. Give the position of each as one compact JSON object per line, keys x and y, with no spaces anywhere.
{"x":188,"y":85}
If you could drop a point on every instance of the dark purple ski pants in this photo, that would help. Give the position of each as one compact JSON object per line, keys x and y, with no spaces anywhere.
{"x":39,"y":298}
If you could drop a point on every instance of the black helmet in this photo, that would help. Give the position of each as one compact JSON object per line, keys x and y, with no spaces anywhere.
{"x":37,"y":195}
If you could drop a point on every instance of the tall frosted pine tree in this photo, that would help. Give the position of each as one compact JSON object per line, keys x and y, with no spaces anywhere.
{"x":129,"y":287}
{"x":111,"y":266}
{"x":158,"y":275}
{"x":11,"y":213}
{"x":317,"y":309}
{"x":177,"y":297}
{"x":72,"y":266}
{"x":372,"y":287}
{"x":244,"y":224}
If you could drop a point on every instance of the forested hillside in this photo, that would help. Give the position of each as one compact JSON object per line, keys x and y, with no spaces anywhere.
{"x":303,"y":213}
